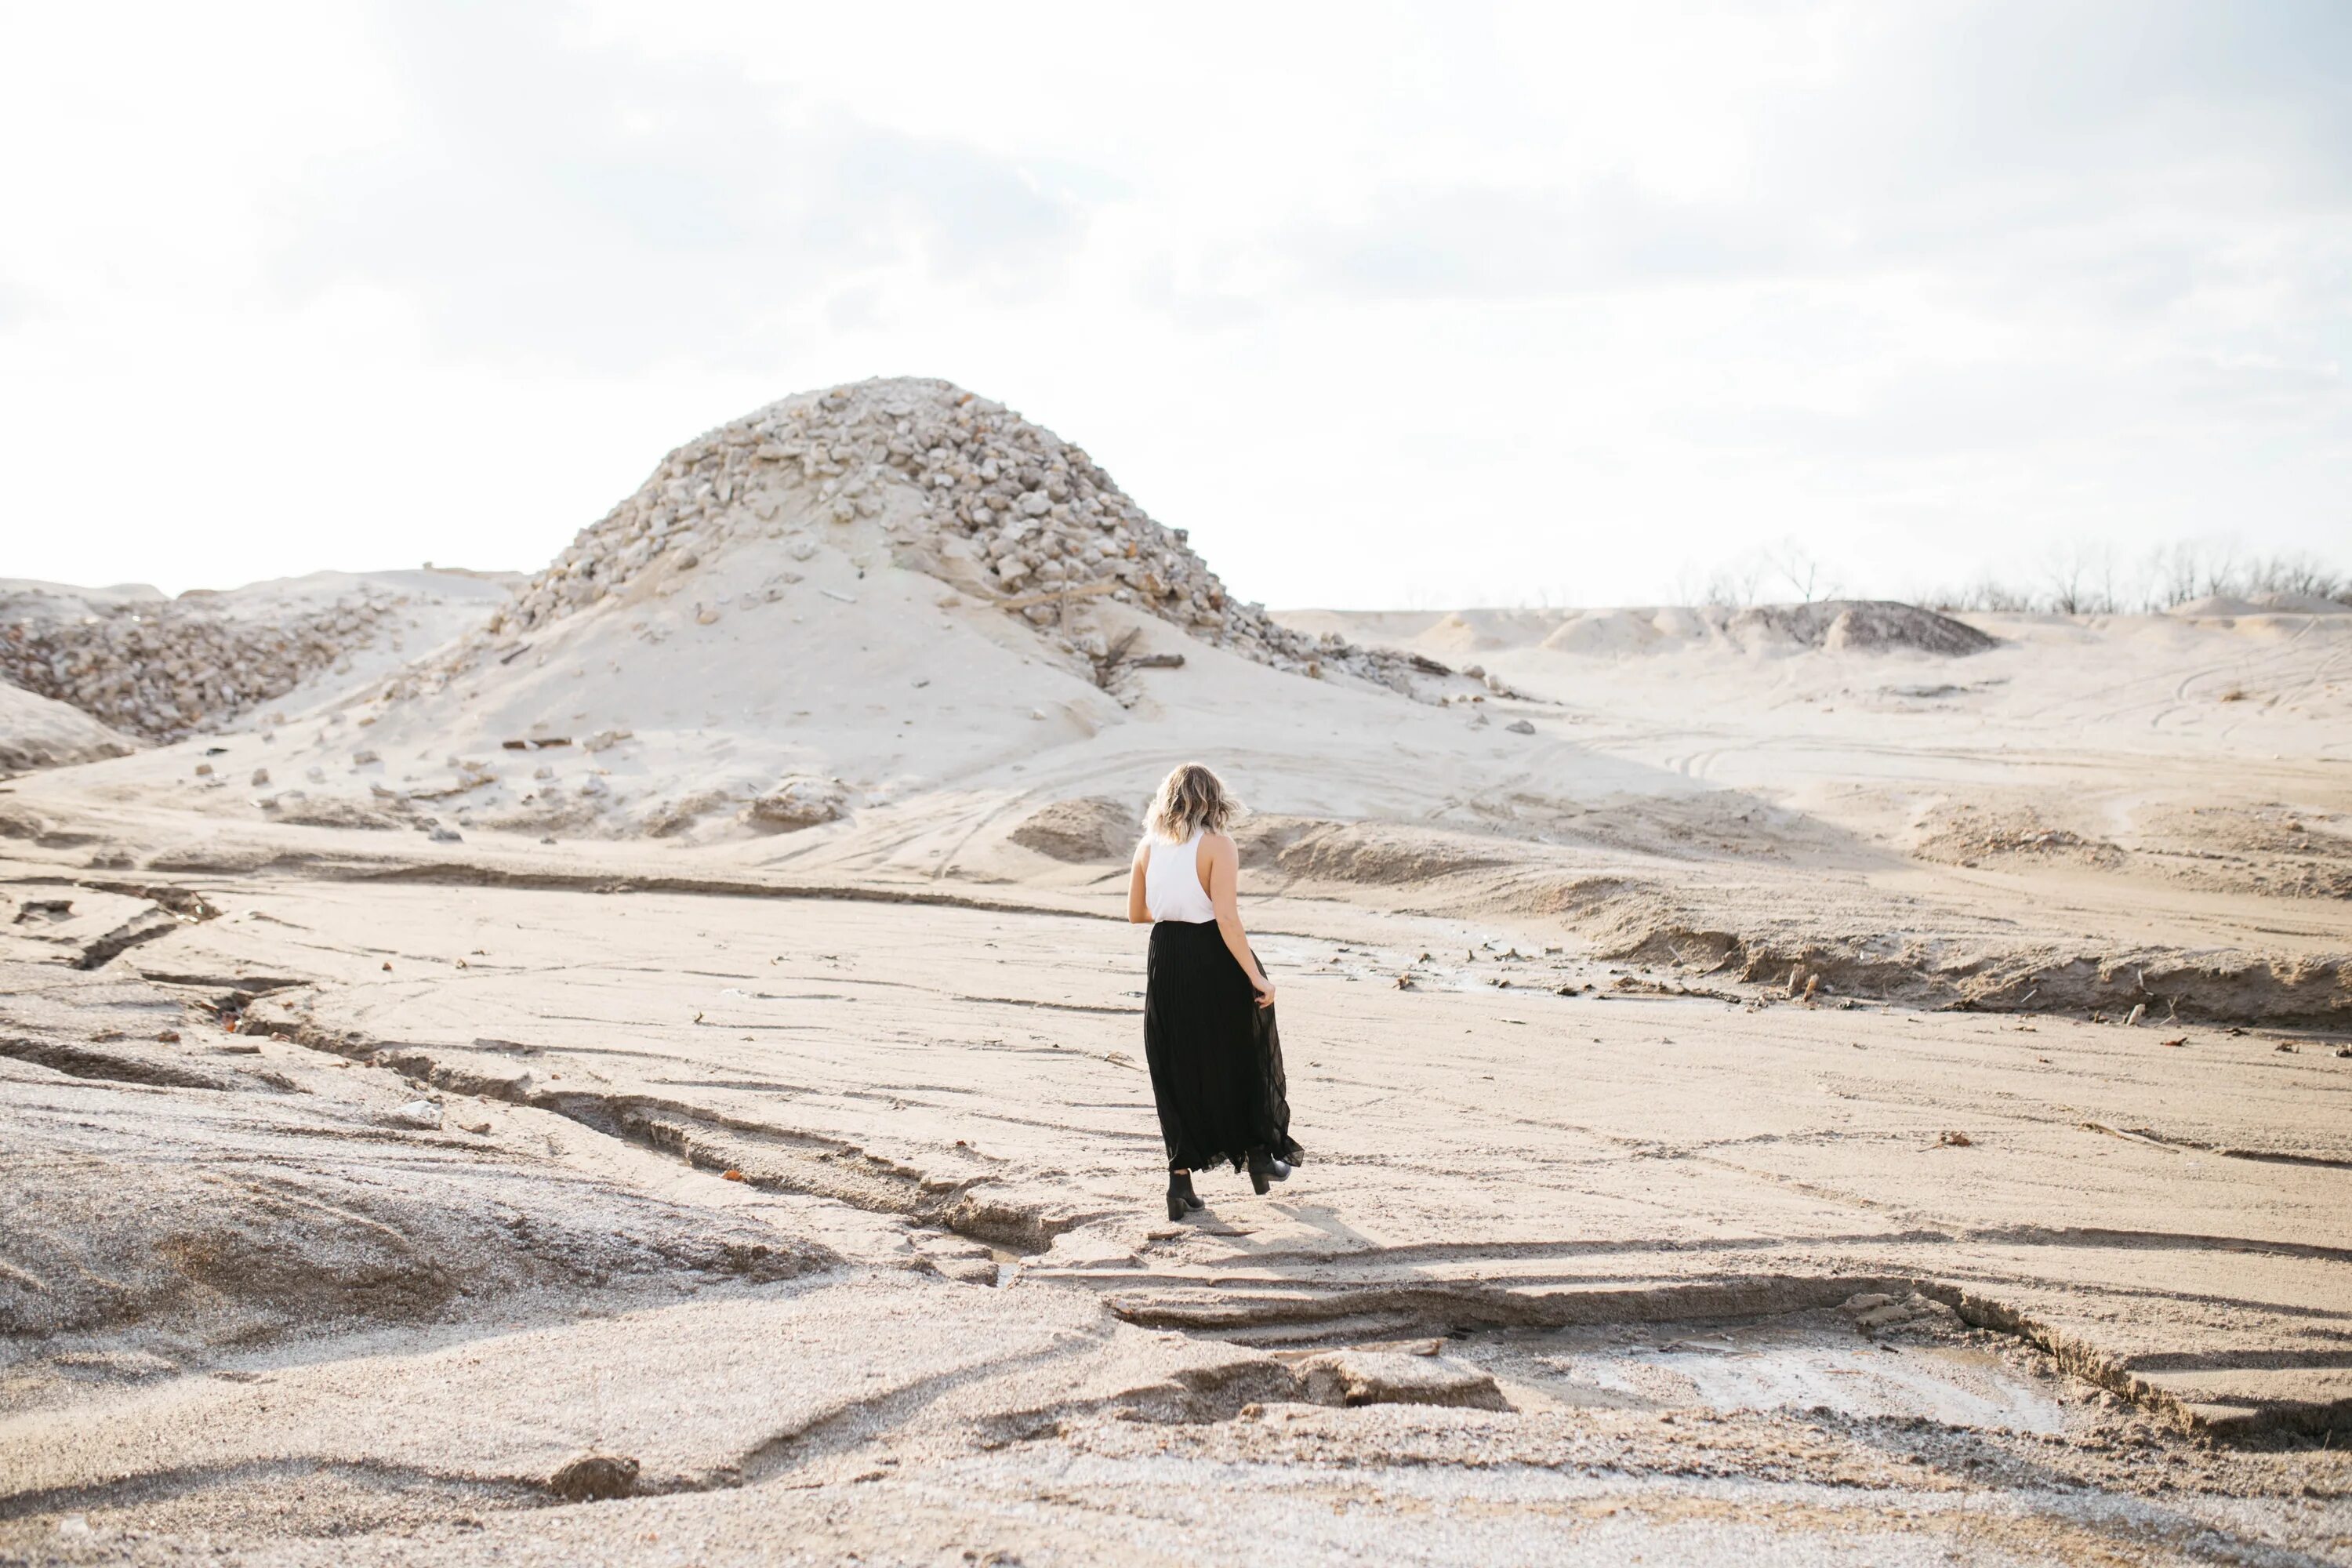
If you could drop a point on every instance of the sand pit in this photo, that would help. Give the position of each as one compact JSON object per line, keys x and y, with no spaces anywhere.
{"x":649,"y":1068}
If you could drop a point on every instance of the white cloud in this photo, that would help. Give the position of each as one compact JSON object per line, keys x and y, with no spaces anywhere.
{"x":1439,"y":303}
{"x":562,"y":200}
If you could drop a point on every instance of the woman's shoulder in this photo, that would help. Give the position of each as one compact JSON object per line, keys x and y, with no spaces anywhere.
{"x":1219,"y":843}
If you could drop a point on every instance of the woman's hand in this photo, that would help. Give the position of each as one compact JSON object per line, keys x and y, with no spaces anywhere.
{"x":1265,"y":989}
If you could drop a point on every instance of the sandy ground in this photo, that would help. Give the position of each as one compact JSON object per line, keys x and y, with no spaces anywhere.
{"x":1564,"y":1278}
{"x":663,"y":1084}
{"x":2152,"y":813}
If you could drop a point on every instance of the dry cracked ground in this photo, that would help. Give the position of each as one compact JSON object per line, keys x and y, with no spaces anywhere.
{"x":356,"y":1213}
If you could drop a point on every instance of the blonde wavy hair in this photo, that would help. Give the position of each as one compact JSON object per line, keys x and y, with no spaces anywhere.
{"x":1190,"y":800}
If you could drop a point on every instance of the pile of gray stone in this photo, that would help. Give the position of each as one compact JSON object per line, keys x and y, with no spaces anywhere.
{"x":1860,"y":626}
{"x":1033,"y":523}
{"x":165,"y":669}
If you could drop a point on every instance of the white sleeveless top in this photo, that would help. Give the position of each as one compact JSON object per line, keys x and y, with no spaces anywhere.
{"x":1171,"y":883}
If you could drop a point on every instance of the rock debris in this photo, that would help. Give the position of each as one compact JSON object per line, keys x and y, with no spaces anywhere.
{"x":166,"y":669}
{"x":1002,"y":507}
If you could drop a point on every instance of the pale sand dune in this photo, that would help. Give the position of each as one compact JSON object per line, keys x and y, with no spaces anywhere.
{"x":1657,"y":997}
{"x":36,"y":732}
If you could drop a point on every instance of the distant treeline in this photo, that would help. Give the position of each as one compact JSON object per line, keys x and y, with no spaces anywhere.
{"x":2078,"y":580}
{"x":2092,"y":581}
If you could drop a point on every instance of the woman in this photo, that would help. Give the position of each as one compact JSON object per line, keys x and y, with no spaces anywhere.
{"x":1207,"y":1008}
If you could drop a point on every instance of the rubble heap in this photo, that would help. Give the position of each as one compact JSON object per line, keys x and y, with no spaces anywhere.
{"x":1862,"y":625}
{"x":1034,"y":520}
{"x":166,"y":669}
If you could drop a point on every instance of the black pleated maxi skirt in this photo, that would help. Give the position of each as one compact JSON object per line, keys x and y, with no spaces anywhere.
{"x":1216,"y":1058}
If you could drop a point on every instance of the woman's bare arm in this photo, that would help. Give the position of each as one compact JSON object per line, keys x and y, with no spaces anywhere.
{"x":1224,"y":896}
{"x":1138,"y":912}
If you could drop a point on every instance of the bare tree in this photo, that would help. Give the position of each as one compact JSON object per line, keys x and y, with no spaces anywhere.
{"x":1801,"y":569}
{"x":1984,"y":594}
{"x":1732,"y":585}
{"x":2081,"y":579}
{"x":2221,"y":571}
{"x":2295,"y":574}
{"x":2065,"y":575}
{"x":2172,"y":571}
{"x":2084,"y":579}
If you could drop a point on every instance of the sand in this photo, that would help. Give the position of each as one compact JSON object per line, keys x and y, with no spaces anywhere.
{"x":1803,"y":1088}
{"x":37,"y":733}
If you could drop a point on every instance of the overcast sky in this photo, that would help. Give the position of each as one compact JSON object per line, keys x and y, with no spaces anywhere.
{"x":1388,"y":304}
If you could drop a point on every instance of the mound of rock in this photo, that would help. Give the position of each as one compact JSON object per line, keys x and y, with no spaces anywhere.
{"x":1859,"y":626}
{"x":967,"y":489}
{"x":163,"y":669}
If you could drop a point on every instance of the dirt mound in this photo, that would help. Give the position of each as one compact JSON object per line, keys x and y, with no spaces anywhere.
{"x":1860,"y":626}
{"x":1361,"y":853}
{"x":1456,"y":635}
{"x":1834,"y":624}
{"x":841,"y":601}
{"x":36,"y":731}
{"x":771,"y":685}
{"x":163,"y":670}
{"x":1084,"y":831}
{"x":1608,"y":632}
{"x":1968,"y":835}
{"x":964,"y":487}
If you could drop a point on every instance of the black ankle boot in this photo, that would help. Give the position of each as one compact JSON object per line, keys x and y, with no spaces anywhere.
{"x":1264,"y":1172}
{"x":1181,"y":1199}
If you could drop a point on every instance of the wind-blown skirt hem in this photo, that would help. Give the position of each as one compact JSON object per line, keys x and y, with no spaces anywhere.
{"x":1215,"y":1055}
